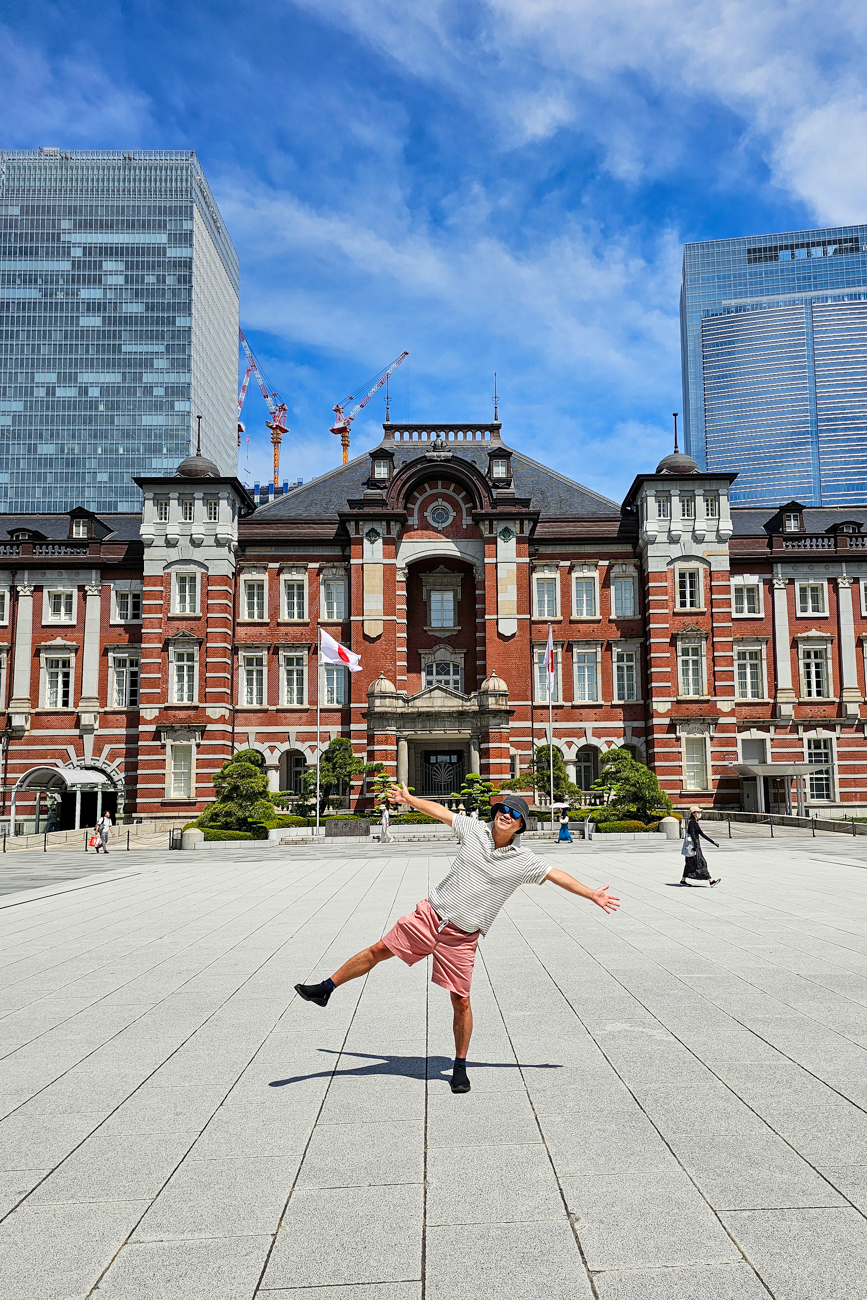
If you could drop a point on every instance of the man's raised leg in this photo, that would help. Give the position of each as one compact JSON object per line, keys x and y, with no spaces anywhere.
{"x":357,"y":966}
{"x":463,"y":1028}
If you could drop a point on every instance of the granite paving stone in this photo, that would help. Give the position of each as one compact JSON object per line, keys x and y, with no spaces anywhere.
{"x":673,"y":1098}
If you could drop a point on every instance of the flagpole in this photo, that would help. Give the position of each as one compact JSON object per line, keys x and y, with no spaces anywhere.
{"x":318,"y":704}
{"x":552,"y":667}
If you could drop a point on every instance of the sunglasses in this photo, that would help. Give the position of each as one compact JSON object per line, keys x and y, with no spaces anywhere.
{"x":508,"y":812}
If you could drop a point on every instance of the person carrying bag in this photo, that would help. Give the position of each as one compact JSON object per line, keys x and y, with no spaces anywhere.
{"x":694,"y":864}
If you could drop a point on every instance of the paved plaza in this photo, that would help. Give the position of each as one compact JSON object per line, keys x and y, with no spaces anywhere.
{"x":669,"y":1103}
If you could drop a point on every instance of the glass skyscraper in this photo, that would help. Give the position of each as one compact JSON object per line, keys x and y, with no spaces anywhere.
{"x":118,"y":325}
{"x":774,"y":350}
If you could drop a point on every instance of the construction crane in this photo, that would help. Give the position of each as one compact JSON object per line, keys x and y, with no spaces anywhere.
{"x":277,"y":410}
{"x":343,"y":422}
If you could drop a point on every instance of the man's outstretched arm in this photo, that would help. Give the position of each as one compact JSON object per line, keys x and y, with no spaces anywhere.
{"x":600,"y":897}
{"x":400,"y":794}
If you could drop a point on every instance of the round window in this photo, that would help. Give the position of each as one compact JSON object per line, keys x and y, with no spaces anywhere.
{"x":440,"y":514}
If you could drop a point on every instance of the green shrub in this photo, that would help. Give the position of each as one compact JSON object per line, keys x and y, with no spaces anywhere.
{"x":414,"y":819}
{"x":228,"y":835}
{"x":621,"y":828}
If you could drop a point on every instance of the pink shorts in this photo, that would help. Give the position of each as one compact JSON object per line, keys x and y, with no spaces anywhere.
{"x":454,"y":951}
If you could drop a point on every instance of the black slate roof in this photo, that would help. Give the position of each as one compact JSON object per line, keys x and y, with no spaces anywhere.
{"x":551,"y":493}
{"x":55,"y":527}
{"x":750,"y":521}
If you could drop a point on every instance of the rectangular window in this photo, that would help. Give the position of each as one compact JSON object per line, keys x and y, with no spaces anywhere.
{"x":4,"y":607}
{"x":293,"y":594}
{"x":499,"y":467}
{"x":585,"y":675}
{"x":60,"y":606}
{"x":212,"y":508}
{"x":293,"y":678}
{"x":380,"y":469}
{"x":162,"y":510}
{"x":442,"y":609}
{"x":185,"y":593}
{"x":182,"y":772}
{"x":334,"y":598}
{"x":792,"y":523}
{"x":546,"y":597}
{"x":185,"y":677}
{"x":254,"y":680}
{"x":687,"y":507}
{"x":750,"y":684}
{"x":585,"y":598}
{"x":128,"y":606}
{"x":254,"y":599}
{"x":662,"y":507}
{"x":79,"y":528}
{"x":691,"y":666}
{"x":335,"y":685}
{"x":58,"y":683}
{"x":542,"y":677}
{"x":811,"y":598}
{"x":688,"y":589}
{"x":187,"y":511}
{"x":821,"y":783}
{"x":126,"y":682}
{"x":624,"y":597}
{"x":746,"y":599}
{"x":695,"y":762}
{"x":814,"y":671}
{"x":625,"y":675}
{"x":711,"y":507}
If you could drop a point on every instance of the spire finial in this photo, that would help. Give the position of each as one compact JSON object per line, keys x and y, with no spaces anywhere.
{"x":675,"y":414}
{"x":496,"y":415}
{"x":198,"y":435}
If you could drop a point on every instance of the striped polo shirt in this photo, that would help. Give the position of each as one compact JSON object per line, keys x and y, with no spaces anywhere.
{"x":482,"y":878}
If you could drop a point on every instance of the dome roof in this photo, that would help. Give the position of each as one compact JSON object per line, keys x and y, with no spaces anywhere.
{"x":494,"y":683}
{"x":677,"y":462}
{"x":382,"y":686}
{"x":197,"y":467}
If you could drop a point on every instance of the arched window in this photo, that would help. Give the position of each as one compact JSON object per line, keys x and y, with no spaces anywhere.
{"x":585,"y":767}
{"x":293,"y":765}
{"x":443,"y":674}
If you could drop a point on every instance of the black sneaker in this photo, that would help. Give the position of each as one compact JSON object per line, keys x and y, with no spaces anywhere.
{"x":459,"y":1080}
{"x":715,"y":882}
{"x":314,"y":993}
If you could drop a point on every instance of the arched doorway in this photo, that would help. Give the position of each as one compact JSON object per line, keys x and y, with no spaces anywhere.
{"x":586,"y":767}
{"x":293,"y":765}
{"x":62,"y":799}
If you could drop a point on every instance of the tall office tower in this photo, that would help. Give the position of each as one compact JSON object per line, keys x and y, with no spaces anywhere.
{"x":118,"y":325}
{"x":774,"y":350}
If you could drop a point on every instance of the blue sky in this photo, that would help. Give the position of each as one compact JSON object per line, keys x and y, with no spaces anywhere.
{"x":496,"y":186}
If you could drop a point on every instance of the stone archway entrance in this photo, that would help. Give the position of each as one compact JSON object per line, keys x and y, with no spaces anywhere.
{"x":63,"y":799}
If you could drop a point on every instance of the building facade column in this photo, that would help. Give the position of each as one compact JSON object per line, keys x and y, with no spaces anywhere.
{"x":20,"y":705}
{"x":88,"y":704}
{"x":850,"y":694}
{"x":475,"y":756}
{"x":402,"y":761}
{"x":785,"y":694}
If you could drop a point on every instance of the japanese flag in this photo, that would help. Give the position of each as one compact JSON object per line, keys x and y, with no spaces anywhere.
{"x":550,"y":666}
{"x":335,"y":653}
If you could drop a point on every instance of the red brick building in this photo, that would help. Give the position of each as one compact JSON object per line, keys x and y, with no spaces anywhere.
{"x":722,"y":645}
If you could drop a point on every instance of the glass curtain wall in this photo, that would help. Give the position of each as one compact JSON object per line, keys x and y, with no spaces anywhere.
{"x":119,"y":315}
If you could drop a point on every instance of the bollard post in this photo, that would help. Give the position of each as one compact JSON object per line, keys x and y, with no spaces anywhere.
{"x":813,"y":824}
{"x":127,"y":841}
{"x":772,"y":829}
{"x":4,"y":841}
{"x":730,"y":827}
{"x":853,"y":825}
{"x":85,"y":841}
{"x":45,"y":842}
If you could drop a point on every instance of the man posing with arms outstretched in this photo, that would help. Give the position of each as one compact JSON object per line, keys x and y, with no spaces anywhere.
{"x":448,"y":923}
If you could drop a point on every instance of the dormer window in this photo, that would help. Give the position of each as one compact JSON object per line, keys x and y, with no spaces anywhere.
{"x":79,"y":528}
{"x":380,"y":469}
{"x":791,"y":522}
{"x":21,"y":535}
{"x":499,"y":467}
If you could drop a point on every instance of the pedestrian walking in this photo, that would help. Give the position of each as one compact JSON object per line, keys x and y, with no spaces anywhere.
{"x":565,"y":836}
{"x":384,"y":820}
{"x":694,"y":865}
{"x":448,"y":924}
{"x":103,"y":830}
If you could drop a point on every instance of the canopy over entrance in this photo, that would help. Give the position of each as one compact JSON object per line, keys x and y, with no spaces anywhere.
{"x":66,"y":798}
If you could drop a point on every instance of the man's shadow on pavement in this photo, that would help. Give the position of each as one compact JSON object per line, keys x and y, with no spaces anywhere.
{"x":410,"y":1067}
